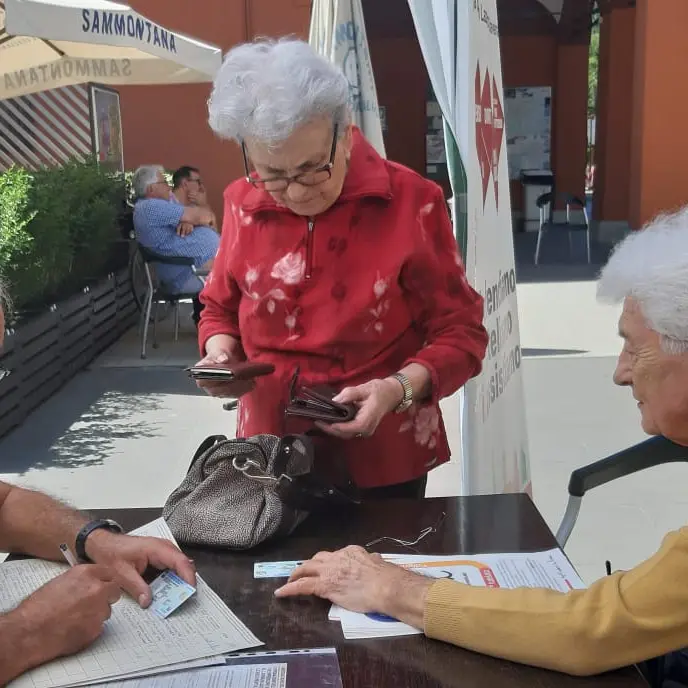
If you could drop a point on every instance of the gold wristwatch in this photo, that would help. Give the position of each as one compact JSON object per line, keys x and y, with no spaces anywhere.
{"x":408,"y":392}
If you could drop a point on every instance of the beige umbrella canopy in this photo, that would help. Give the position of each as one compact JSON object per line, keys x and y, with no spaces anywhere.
{"x":46,"y":44}
{"x":338,"y":33}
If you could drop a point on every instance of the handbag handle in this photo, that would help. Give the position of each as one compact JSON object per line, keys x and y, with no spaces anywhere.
{"x":284,"y":450}
{"x":214,"y":441}
{"x":207,"y":443}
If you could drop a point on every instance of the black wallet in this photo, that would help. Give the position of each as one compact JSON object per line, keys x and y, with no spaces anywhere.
{"x":316,"y":403}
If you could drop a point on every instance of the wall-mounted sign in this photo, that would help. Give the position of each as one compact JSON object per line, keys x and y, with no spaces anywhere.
{"x":528,"y":128}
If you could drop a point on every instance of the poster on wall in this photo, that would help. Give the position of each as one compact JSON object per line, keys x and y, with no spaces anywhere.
{"x":528,"y":128}
{"x":435,"y":151}
{"x":383,"y":118}
{"x":106,"y":127}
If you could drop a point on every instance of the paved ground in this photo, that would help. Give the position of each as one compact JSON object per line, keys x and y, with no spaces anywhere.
{"x":121,"y":434}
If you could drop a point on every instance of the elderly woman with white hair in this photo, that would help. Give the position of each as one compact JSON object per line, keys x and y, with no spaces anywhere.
{"x":628,"y":617}
{"x":338,"y":263}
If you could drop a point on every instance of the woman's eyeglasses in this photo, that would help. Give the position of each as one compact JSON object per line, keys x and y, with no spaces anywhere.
{"x":428,"y":530}
{"x":4,"y":373}
{"x":314,"y":177}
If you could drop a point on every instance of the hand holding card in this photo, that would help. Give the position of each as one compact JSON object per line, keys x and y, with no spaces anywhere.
{"x":230,"y":379}
{"x":169,"y":593}
{"x":229,"y":372}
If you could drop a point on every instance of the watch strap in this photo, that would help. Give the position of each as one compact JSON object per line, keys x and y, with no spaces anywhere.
{"x":80,"y":544}
{"x":407,"y":399}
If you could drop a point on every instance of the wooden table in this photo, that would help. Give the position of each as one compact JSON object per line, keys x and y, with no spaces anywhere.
{"x":495,"y":523}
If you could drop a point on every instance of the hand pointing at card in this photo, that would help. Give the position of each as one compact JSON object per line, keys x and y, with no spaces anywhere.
{"x":129,"y":557}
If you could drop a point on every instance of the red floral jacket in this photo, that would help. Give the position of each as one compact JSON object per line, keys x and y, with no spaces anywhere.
{"x":356,"y":293}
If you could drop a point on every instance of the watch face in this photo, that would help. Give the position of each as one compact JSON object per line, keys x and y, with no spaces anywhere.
{"x":113,"y":525}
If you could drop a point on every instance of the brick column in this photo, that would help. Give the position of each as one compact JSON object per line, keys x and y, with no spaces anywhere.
{"x":659,"y":138}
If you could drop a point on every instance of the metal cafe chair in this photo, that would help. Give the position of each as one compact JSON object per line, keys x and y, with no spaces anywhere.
{"x":156,"y":293}
{"x":546,"y":203}
{"x":652,"y":452}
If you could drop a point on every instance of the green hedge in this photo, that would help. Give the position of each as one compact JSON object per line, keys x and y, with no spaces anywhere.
{"x":57,"y":229}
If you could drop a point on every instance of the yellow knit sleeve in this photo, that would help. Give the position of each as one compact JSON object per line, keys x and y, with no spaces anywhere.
{"x":619,"y":620}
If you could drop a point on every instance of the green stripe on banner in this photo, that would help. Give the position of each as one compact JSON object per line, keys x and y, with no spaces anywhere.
{"x":459,"y":185}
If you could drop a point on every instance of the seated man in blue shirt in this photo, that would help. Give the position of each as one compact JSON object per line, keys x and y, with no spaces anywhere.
{"x":188,"y":189}
{"x":162,"y":225}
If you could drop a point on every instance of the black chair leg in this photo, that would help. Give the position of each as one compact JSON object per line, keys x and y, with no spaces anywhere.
{"x":197,"y":310}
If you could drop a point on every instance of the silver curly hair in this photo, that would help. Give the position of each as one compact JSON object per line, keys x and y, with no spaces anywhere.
{"x":651,"y":267}
{"x":267,"y":89}
{"x":144,"y":177}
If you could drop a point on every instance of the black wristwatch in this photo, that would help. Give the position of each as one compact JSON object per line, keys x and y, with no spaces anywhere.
{"x":80,"y":545}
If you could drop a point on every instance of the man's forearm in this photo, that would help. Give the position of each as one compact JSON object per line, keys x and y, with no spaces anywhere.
{"x":17,"y":649}
{"x":196,"y":216}
{"x":33,"y":523}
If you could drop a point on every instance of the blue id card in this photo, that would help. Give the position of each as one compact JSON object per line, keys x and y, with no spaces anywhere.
{"x":274,"y":569}
{"x":169,"y":593}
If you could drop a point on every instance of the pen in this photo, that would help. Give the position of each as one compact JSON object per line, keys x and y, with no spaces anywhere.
{"x":608,"y":566}
{"x":68,"y":555}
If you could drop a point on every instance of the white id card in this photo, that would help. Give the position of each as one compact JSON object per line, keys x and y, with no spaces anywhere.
{"x":274,"y":569}
{"x":169,"y":592}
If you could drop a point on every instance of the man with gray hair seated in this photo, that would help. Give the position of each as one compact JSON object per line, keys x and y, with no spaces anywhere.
{"x":70,"y":611}
{"x":628,"y":617}
{"x":169,"y":228}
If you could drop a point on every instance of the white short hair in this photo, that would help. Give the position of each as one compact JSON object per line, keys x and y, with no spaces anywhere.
{"x":144,"y":177}
{"x":267,"y":89}
{"x":651,"y":266}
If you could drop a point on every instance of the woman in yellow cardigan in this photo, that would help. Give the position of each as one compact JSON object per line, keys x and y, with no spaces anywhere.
{"x":621,"y":619}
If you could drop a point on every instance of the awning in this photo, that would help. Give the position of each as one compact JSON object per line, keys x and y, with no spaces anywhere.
{"x":46,"y":44}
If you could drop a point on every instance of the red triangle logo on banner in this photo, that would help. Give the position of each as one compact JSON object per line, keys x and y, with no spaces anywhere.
{"x":480,"y":138}
{"x":489,"y":130}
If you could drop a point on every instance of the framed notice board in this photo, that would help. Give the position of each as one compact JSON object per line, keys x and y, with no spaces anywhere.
{"x":435,"y":152}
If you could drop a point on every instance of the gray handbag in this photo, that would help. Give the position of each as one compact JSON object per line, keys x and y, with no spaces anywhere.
{"x":241,"y":492}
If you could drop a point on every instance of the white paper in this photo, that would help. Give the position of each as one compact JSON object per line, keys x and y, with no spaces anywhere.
{"x":157,"y":528}
{"x":247,"y":676}
{"x":181,"y":666}
{"x":549,"y":569}
{"x":134,"y":639}
{"x":435,"y":152}
{"x":355,"y":625}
